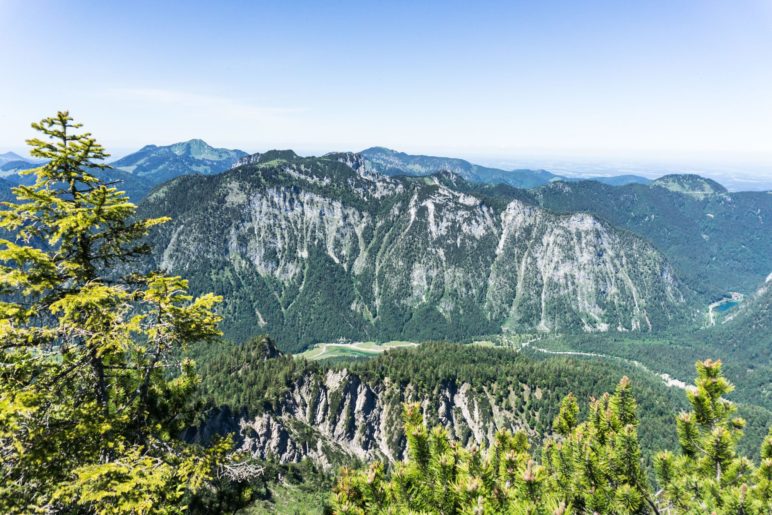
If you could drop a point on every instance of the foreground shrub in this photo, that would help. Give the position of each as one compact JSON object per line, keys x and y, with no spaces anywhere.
{"x":586,"y":466}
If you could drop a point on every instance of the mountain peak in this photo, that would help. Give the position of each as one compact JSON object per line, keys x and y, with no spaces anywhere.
{"x":12,"y":156}
{"x":284,"y":155}
{"x":690,"y":184}
{"x":194,"y":148}
{"x":265,"y":157}
{"x":380,"y":150}
{"x":161,"y":163}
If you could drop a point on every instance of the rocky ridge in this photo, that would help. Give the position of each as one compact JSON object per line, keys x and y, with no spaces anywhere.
{"x":338,"y":416}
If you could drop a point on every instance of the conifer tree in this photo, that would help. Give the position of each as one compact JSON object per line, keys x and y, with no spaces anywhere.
{"x":708,"y":476}
{"x":91,"y":386}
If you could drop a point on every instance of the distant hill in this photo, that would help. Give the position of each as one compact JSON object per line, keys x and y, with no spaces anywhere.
{"x":690,"y":184}
{"x":11,"y":164}
{"x":9,"y":157}
{"x":159,"y":164}
{"x":391,"y":162}
{"x":617,"y":180}
{"x":135,"y":187}
{"x":138,"y":173}
{"x":11,"y":167}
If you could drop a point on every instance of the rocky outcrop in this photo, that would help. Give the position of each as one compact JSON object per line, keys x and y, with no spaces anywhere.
{"x":337,"y":417}
{"x":247,"y":160}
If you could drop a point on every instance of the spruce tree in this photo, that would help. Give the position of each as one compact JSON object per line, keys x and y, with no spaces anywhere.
{"x":91,"y":383}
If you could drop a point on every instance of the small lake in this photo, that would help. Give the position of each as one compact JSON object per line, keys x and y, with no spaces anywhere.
{"x":726,"y":306}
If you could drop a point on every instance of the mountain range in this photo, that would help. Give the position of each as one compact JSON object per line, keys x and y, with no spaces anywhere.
{"x":139,"y":172}
{"x":152,"y":165}
{"x":556,"y":285}
{"x":392,"y":162}
{"x":9,"y":157}
{"x":160,"y":164}
{"x":312,"y":249}
{"x":370,"y":234}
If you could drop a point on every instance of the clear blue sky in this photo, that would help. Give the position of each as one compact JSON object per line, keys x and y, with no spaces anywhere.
{"x":671,"y":81}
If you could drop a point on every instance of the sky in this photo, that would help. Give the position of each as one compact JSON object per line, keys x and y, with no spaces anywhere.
{"x":591,"y":85}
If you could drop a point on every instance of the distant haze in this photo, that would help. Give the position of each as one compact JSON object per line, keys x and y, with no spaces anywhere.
{"x":574,"y":87}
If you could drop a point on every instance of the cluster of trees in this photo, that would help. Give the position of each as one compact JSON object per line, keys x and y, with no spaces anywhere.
{"x":530,"y":390}
{"x":253,"y":376}
{"x":588,"y":466}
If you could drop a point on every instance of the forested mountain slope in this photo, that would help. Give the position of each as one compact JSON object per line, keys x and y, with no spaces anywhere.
{"x":158,"y":164}
{"x":11,"y":168}
{"x":312,"y":249}
{"x":717,"y":241}
{"x":753,"y":318}
{"x":742,"y":341}
{"x":5,"y":190}
{"x":287,"y":409}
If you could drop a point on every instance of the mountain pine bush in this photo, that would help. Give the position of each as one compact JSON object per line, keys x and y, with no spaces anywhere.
{"x":587,"y":466}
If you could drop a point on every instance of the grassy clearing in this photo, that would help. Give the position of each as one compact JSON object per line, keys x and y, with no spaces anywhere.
{"x":354,"y":349}
{"x":290,"y":499}
{"x":484,"y":343}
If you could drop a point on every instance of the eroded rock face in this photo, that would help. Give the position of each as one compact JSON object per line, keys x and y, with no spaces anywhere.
{"x":338,"y":417}
{"x":302,"y":238}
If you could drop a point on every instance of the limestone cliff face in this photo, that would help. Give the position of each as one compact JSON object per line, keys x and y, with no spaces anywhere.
{"x":364,"y":255}
{"x":338,"y":417}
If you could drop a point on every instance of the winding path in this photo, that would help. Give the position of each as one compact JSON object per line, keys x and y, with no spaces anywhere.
{"x":666,"y":378}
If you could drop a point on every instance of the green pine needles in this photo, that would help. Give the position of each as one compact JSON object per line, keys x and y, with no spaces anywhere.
{"x":91,"y":388}
{"x":708,"y":476}
{"x":588,"y":466}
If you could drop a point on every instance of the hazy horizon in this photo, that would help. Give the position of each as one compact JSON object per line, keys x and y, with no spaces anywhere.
{"x":665,"y":86}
